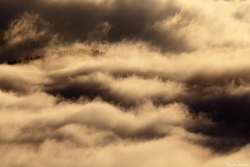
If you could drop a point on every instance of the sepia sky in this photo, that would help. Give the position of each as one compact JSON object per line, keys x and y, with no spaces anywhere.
{"x":124,"y":83}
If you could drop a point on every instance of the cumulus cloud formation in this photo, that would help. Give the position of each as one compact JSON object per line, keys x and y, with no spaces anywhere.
{"x":124,"y":83}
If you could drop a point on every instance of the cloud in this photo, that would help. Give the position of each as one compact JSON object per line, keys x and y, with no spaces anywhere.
{"x":21,"y":78}
{"x":124,"y":83}
{"x":26,"y":36}
{"x":78,"y":19}
{"x":171,"y":26}
{"x":83,"y":127}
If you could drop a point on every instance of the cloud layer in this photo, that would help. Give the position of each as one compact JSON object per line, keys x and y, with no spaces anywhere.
{"x":124,"y":83}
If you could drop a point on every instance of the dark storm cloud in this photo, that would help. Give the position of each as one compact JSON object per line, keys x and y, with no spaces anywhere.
{"x":25,"y":37}
{"x":76,"y":20}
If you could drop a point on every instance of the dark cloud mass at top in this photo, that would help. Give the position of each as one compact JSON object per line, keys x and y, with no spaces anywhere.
{"x":75,"y":20}
{"x":124,"y":83}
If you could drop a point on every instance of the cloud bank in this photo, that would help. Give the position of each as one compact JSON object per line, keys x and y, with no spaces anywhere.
{"x":124,"y":83}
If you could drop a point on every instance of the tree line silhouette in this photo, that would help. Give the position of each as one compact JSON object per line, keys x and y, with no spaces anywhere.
{"x":25,"y":60}
{"x":28,"y":58}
